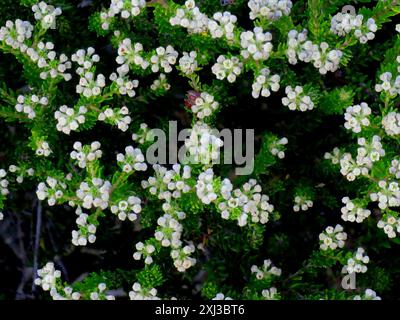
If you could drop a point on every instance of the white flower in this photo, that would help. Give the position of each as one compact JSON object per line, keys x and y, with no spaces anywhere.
{"x":129,"y":208}
{"x":391,"y":123}
{"x":163,"y":59}
{"x":47,"y":277}
{"x":266,"y":271}
{"x":14,"y":34}
{"x":190,"y":18}
{"x":296,"y":99}
{"x":68,"y":119}
{"x":86,"y":232}
{"x":94,"y":193}
{"x":276,"y":147}
{"x":264,"y":83}
{"x":125,"y":85}
{"x":117,"y":116}
{"x":182,"y":260}
{"x":256,"y":44}
{"x":205,"y":188}
{"x":30,"y":105}
{"x":229,"y":68}
{"x":43,"y":149}
{"x":332,"y":238}
{"x":270,"y":294}
{"x":269,"y":9}
{"x":140,"y":293}
{"x":344,"y":23}
{"x":3,"y":183}
{"x":389,"y":85}
{"x":160,"y":83}
{"x":202,"y":146}
{"x":223,"y":25}
{"x":395,"y":168}
{"x":388,"y":195}
{"x":204,"y":105}
{"x":144,"y":250}
{"x":390,"y":225}
{"x":350,"y":168}
{"x":357,"y":264}
{"x":357,"y":117}
{"x":334,"y":156}
{"x":168,"y":184}
{"x":369,"y":294}
{"x":130,"y":55}
{"x":52,"y":190}
{"x":352,"y":212}
{"x":132,"y":160}
{"x":46,"y":14}
{"x":86,"y":153}
{"x":302,"y":203}
{"x":221,"y":296}
{"x":126,"y":8}
{"x":188,"y":63}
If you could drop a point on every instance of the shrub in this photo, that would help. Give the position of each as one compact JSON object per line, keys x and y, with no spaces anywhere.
{"x":84,"y":85}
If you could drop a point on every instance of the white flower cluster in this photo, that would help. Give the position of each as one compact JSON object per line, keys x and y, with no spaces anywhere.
{"x":332,"y":238}
{"x":388,"y":196}
{"x":369,"y":294}
{"x":46,"y":59}
{"x":169,"y":231}
{"x":117,"y":116}
{"x":168,"y":184}
{"x":388,"y":85}
{"x":132,"y":160}
{"x":391,"y":123}
{"x":334,"y":156}
{"x":46,"y":14}
{"x":86,"y":232}
{"x":395,"y":168}
{"x":28,"y":104}
{"x":256,"y":44}
{"x":350,"y":169}
{"x":188,"y":63}
{"x":99,"y":294}
{"x":47,"y":277}
{"x":264,"y":83}
{"x":129,"y":208}
{"x":3,"y":183}
{"x":266,"y":271}
{"x":270,"y":294}
{"x":125,"y":85}
{"x":14,"y":34}
{"x":182,"y":259}
{"x":202,"y":146}
{"x":358,"y":262}
{"x":223,"y":25}
{"x":240,"y":204}
{"x":390,"y":225}
{"x":144,"y":134}
{"x":144,"y":250}
{"x":352,"y":212}
{"x":276,"y":147}
{"x":299,"y":48}
{"x":21,"y":173}
{"x":229,"y":68}
{"x":128,"y":55}
{"x":94,"y":193}
{"x":90,"y":86}
{"x":369,"y":152}
{"x":43,"y":149}
{"x":140,"y":293}
{"x":190,"y":18}
{"x":204,"y":105}
{"x":68,"y":119}
{"x":302,"y":203}
{"x":221,"y":296}
{"x":296,"y":99}
{"x":357,"y":117}
{"x":51,"y":189}
{"x":124,"y":8}
{"x":85,"y":154}
{"x":85,"y":59}
{"x":164,"y":58}
{"x":269,"y":9}
{"x":160,"y":83}
{"x":205,"y":187}
{"x":344,"y":23}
